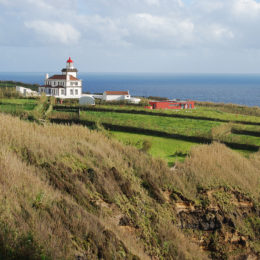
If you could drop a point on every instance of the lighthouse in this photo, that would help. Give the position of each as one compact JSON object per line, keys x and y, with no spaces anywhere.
{"x":66,"y":85}
{"x":70,"y":69}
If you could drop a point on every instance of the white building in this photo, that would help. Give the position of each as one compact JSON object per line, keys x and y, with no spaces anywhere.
{"x":27,"y":92}
{"x":66,"y":85}
{"x":87,"y":100}
{"x":116,"y":95}
{"x":119,"y":96}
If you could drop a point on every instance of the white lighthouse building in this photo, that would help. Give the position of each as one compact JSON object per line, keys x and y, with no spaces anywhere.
{"x":66,"y":85}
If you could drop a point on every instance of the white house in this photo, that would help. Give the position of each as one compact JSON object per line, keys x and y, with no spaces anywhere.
{"x":66,"y":85}
{"x":116,"y":95}
{"x":27,"y":92}
{"x":119,"y":96}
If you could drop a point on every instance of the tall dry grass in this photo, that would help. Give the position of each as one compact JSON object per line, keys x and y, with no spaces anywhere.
{"x":9,"y":92}
{"x":54,"y":180}
{"x":216,"y":165}
{"x":64,"y":189}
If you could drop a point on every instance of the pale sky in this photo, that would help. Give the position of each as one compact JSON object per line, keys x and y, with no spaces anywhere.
{"x":173,"y":36}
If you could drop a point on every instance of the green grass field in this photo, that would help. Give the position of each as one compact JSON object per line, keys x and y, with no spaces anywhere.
{"x":18,"y":101}
{"x":13,"y":108}
{"x":189,"y":127}
{"x":215,"y":113}
{"x":165,"y":148}
{"x":199,"y":111}
{"x":17,"y":106}
{"x":170,"y":150}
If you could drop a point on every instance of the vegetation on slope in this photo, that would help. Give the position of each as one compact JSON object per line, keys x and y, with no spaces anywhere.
{"x":223,"y":113}
{"x":183,"y":128}
{"x":171,"y":150}
{"x":231,"y":108}
{"x":67,"y":192}
{"x":4,"y":84}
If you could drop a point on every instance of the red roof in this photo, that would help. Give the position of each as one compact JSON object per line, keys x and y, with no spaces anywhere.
{"x":117,"y":92}
{"x":62,"y":77}
{"x":69,"y":60}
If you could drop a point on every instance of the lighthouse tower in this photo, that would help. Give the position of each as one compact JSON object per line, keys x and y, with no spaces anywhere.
{"x":70,"y":69}
{"x":63,"y":86}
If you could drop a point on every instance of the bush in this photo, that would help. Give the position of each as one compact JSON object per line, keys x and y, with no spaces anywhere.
{"x":146,"y":146}
{"x":9,"y":92}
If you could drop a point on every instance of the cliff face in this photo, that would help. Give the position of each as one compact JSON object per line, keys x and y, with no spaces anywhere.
{"x":70,"y":193}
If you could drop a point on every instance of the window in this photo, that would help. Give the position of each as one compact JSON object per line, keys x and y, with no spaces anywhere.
{"x":71,"y":91}
{"x":76,"y":83}
{"x":62,"y":92}
{"x":76,"y":92}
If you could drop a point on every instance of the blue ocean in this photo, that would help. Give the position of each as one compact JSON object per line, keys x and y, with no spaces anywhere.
{"x":241,"y":89}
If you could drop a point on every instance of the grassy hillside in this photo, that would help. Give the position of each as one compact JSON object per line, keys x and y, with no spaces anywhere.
{"x":68,"y":192}
{"x":171,"y":150}
{"x":214,"y":111}
{"x":13,"y":84}
{"x":193,"y":129}
{"x":169,"y":133}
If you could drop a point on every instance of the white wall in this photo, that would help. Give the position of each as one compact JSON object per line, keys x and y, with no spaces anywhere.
{"x":67,"y":88}
{"x":56,"y":92}
{"x":26,"y":91}
{"x":74,"y":74}
{"x":115,"y":97}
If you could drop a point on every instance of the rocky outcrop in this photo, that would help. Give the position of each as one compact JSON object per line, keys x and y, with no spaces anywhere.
{"x":217,"y":225}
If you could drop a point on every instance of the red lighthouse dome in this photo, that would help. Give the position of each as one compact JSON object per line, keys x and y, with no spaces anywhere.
{"x":69,"y":60}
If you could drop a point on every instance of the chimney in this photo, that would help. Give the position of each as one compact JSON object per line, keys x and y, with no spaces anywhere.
{"x":46,"y":76}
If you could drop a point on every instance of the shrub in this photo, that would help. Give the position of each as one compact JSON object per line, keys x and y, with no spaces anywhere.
{"x":146,"y":146}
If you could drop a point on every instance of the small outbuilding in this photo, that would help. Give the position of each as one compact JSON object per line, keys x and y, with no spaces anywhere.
{"x":116,"y":95}
{"x":27,"y":92}
{"x":172,"y":104}
{"x":87,"y":100}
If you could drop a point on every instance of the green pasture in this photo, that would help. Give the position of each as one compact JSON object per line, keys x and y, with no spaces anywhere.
{"x":13,"y":84}
{"x":7,"y":84}
{"x":255,"y":128}
{"x":216,"y":113}
{"x":13,"y":108}
{"x":19,"y":101}
{"x":243,"y":139}
{"x":171,"y":150}
{"x":171,"y":125}
{"x":199,"y":111}
{"x":187,"y":127}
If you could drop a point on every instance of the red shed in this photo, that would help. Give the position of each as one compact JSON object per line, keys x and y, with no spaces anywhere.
{"x":172,"y":104}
